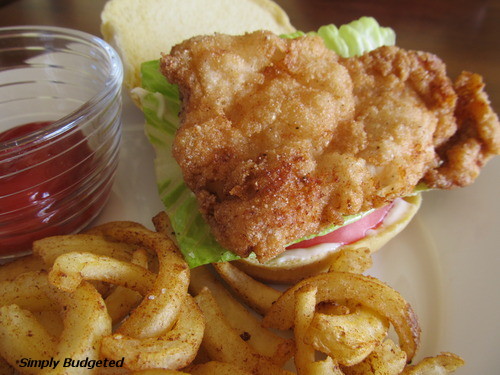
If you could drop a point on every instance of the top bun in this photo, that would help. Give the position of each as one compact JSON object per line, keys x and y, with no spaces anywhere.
{"x":140,"y":30}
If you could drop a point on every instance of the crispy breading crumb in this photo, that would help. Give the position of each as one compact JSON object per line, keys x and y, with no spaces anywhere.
{"x":279,"y":138}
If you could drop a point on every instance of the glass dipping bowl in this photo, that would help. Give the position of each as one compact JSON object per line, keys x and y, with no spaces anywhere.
{"x":60,"y":126}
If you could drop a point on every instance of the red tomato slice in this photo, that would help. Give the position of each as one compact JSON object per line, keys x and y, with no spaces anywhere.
{"x":347,"y":234}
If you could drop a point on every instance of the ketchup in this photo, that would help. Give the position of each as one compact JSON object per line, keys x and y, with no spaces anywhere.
{"x":39,"y":187}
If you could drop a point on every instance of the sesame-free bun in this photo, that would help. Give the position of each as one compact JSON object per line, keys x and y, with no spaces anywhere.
{"x":294,"y":270}
{"x":140,"y":30}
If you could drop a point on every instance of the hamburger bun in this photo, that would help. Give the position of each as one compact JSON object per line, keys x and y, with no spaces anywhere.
{"x":293,"y":270}
{"x":140,"y":30}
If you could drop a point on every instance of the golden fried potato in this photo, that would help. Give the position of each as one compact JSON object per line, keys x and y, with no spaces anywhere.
{"x":159,"y":309}
{"x":50,"y":248}
{"x":223,"y":343}
{"x":22,"y":336}
{"x":122,"y":299}
{"x":86,"y":323}
{"x":257,"y":295}
{"x":387,"y":359}
{"x":348,"y":338}
{"x":364,"y":290}
{"x":70,"y":269}
{"x":29,"y":290}
{"x":172,"y":350}
{"x":219,"y":368}
{"x":263,"y":341}
{"x":444,"y":363}
{"x":352,"y":260}
{"x":28,"y":263}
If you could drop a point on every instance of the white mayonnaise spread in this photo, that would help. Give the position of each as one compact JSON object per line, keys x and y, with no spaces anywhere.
{"x":395,"y":214}
{"x":294,"y":255}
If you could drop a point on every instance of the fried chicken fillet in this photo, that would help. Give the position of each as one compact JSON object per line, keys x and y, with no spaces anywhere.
{"x":280,"y":138}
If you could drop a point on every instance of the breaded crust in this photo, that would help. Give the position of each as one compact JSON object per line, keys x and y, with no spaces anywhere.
{"x":279,"y":138}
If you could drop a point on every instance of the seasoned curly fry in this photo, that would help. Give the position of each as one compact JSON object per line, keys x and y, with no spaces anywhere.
{"x":159,"y":309}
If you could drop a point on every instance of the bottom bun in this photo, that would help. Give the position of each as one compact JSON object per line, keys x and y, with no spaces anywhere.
{"x":293,"y":270}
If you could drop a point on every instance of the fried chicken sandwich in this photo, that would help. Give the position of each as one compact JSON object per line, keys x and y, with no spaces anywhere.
{"x":289,"y":148}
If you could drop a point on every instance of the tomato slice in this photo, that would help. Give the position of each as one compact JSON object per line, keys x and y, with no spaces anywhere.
{"x":347,"y":234}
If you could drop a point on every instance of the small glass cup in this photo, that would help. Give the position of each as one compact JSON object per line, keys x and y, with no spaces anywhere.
{"x":60,"y":128}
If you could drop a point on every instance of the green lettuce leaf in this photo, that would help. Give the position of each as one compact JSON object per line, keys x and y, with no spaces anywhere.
{"x":354,"y":38}
{"x":161,"y":104}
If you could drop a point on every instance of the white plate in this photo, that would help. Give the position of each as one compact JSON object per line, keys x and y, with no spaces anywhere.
{"x":445,"y":263}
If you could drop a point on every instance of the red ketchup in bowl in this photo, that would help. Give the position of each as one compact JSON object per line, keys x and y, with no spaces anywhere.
{"x":56,"y":175}
{"x":39,"y":187}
